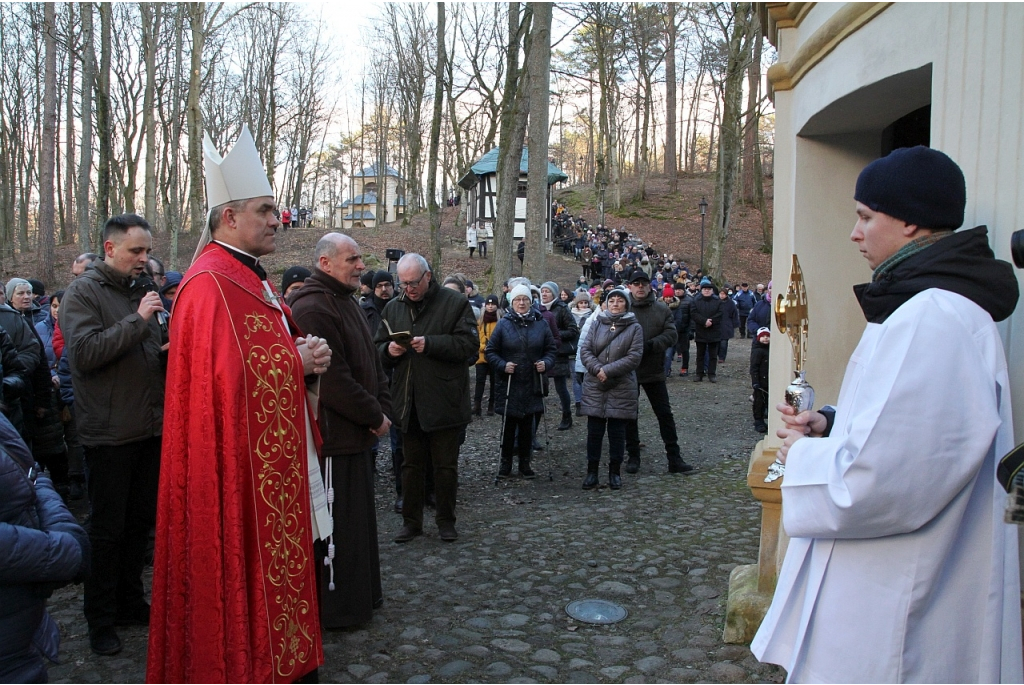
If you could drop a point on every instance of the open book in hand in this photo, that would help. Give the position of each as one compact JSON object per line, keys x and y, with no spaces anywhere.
{"x":403,"y":338}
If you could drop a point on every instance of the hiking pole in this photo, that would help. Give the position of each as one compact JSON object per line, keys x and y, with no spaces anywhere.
{"x":547,"y":448}
{"x":501,"y":435}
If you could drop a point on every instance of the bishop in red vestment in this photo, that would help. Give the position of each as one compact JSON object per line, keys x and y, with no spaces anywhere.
{"x":234,"y":583}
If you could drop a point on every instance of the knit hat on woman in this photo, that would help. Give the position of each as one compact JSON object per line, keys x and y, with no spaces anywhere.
{"x":13,"y":285}
{"x":519,"y":291}
{"x":618,"y":292}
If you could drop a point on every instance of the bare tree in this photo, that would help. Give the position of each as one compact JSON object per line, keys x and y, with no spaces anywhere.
{"x":435,"y":137}
{"x":47,"y":151}
{"x":671,"y":163}
{"x":85,"y":241}
{"x":539,"y":73}
{"x":514,"y":112}
{"x":735,"y":23}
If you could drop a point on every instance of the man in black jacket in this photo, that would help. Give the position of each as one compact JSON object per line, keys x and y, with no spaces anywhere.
{"x":706,"y":315}
{"x":111,"y":323}
{"x":659,"y":335}
{"x":430,"y":393}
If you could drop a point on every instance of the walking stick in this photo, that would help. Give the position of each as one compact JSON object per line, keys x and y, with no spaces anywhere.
{"x":547,"y":444}
{"x":504,"y":417}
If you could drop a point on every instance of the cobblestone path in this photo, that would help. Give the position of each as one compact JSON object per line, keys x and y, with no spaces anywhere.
{"x":491,"y":606}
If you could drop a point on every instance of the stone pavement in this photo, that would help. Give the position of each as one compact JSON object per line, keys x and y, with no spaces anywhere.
{"x":491,"y":606}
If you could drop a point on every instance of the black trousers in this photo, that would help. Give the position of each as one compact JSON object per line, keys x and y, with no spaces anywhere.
{"x":657,"y":395}
{"x":760,"y":405}
{"x":483,"y":373}
{"x":442,"y":447}
{"x":711,"y":348}
{"x":743,"y":326}
{"x":523,"y":425}
{"x":616,"y":439}
{"x":122,"y":491}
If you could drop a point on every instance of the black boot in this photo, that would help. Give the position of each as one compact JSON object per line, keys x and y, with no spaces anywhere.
{"x":505,"y":469}
{"x":633,"y":463}
{"x":476,"y":408}
{"x":677,"y":465}
{"x":579,"y":411}
{"x":590,"y":482}
{"x":566,"y":421}
{"x":490,"y":407}
{"x":524,"y":469}
{"x":614,"y":479}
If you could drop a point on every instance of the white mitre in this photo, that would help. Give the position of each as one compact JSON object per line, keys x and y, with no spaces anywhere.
{"x":238,"y":175}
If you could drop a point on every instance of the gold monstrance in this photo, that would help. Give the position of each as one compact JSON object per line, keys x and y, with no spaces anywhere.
{"x":791,"y":317}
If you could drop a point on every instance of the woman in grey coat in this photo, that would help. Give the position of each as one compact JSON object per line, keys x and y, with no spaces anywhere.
{"x":611,"y":354}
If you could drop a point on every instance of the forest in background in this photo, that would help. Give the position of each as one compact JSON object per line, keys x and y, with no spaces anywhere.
{"x":106,"y":104}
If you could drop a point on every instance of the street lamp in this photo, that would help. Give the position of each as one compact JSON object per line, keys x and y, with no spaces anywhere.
{"x":703,"y":211}
{"x":600,"y":205}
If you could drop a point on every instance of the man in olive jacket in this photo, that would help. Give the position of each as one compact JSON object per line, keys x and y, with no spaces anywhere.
{"x":353,"y":411}
{"x":659,"y":335}
{"x":430,"y":387}
{"x":111,"y":319}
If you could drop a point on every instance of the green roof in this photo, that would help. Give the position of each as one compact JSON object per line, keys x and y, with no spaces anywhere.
{"x":488,"y":164}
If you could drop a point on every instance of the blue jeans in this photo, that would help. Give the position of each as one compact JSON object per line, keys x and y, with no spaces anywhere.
{"x":577,"y":387}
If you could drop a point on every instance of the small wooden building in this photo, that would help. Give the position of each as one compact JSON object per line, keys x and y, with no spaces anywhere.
{"x":482,"y":183}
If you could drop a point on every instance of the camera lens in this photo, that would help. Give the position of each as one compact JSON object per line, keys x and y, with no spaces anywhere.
{"x":1017,"y":248}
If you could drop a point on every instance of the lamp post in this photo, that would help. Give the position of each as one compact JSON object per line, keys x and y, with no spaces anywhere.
{"x":600,"y":204}
{"x":703,"y":211}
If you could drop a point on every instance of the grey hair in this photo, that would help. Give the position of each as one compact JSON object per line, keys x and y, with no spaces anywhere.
{"x":412,"y":257}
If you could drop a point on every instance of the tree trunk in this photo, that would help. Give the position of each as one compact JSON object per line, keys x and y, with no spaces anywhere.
{"x":194,"y":118}
{"x":151,"y":17}
{"x":47,"y":147}
{"x":85,"y":241}
{"x":68,"y":222}
{"x":670,"y":98}
{"x":104,"y":131}
{"x":514,"y":111}
{"x":538,"y":209}
{"x":435,"y":139}
{"x":753,"y":116}
{"x":729,"y":138}
{"x":174,"y":206}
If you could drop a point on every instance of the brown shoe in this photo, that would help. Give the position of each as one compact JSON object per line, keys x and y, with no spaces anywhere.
{"x":408,"y":533}
{"x":447,"y":532}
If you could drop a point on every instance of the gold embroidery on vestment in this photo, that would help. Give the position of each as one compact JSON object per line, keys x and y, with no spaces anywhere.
{"x":281,"y":477}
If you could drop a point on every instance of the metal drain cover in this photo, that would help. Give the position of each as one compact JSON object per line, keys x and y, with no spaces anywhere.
{"x":598,"y":611}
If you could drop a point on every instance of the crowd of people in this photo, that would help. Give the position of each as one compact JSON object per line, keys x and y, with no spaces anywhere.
{"x":240,"y":425}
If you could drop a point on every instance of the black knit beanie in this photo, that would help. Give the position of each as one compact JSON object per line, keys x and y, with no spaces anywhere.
{"x":367,"y":278}
{"x":294,"y":274}
{"x":917,"y":185}
{"x":382,"y":276}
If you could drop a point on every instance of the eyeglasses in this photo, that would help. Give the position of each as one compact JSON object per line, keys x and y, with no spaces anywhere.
{"x":387,"y":284}
{"x":412,"y":284}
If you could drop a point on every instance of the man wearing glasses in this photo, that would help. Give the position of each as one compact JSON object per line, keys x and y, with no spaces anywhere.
{"x":430,"y":387}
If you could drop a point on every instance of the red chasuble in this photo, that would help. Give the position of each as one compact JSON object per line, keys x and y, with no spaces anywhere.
{"x":234,"y":579}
